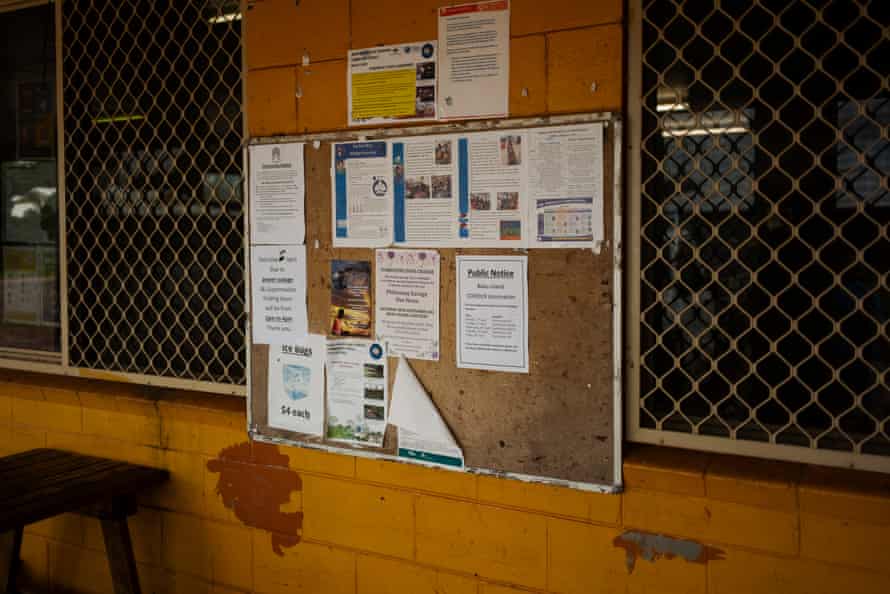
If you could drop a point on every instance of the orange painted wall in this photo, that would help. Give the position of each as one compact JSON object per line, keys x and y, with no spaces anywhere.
{"x":296,"y":56}
{"x":371,"y":527}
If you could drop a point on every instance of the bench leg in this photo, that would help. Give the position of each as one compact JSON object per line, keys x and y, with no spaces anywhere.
{"x":10,"y":549}
{"x":120,"y":556}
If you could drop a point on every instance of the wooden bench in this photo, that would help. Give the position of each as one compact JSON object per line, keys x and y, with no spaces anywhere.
{"x":43,"y":483}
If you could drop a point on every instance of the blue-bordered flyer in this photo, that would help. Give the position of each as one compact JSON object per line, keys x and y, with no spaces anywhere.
{"x":362,"y":194}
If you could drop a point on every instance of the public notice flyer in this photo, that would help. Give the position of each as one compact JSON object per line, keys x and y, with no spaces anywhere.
{"x":296,"y":385}
{"x":357,"y":391}
{"x":277,"y":194}
{"x":492,"y":313}
{"x":475,"y":60}
{"x":566,"y":186}
{"x":425,"y":177}
{"x":278,"y":290}
{"x":362,"y":194}
{"x":350,"y":311}
{"x":406,"y":302}
{"x":493,"y":213}
{"x":393,"y":83}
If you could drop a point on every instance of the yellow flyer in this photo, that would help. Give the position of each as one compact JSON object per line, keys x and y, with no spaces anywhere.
{"x":393,"y":83}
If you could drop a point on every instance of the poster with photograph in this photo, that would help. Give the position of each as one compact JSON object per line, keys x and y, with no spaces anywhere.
{"x":357,"y":391}
{"x":566,"y":186}
{"x":493,"y":214}
{"x":425,"y":177}
{"x":350,"y":311}
{"x":475,"y":60}
{"x":406,"y":302}
{"x":362,"y":194}
{"x":522,"y":188}
{"x":277,"y":194}
{"x":278,"y":291}
{"x":492,"y":313}
{"x":393,"y":83}
{"x":296,"y":385}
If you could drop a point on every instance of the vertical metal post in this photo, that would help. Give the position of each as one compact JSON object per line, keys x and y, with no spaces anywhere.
{"x":60,"y":185}
{"x":632,"y":222}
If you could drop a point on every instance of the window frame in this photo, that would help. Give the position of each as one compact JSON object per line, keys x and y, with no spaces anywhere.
{"x":633,"y":431}
{"x":28,"y":359}
{"x":57,"y":363}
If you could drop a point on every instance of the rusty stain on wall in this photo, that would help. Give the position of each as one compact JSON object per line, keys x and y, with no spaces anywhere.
{"x":652,"y":547}
{"x":254,"y":482}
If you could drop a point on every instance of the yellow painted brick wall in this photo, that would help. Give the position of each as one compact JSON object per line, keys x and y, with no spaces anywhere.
{"x":375,"y":527}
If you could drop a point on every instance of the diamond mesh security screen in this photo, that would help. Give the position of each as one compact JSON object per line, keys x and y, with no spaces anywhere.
{"x":153,"y":173}
{"x":764,"y":222}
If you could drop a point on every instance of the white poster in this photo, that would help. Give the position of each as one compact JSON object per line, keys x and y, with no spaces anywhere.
{"x":362,"y":194}
{"x":426,"y":189}
{"x":277,"y":194}
{"x":406,"y":302}
{"x":393,"y":83}
{"x":357,"y":391}
{"x":278,"y":290}
{"x":475,"y":60}
{"x":423,"y":434}
{"x":492,"y":313}
{"x":565,"y":186}
{"x":296,"y":385}
{"x":496,"y":215}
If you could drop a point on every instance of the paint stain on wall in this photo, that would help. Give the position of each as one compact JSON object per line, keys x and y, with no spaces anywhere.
{"x":254,"y":482}
{"x":652,"y":547}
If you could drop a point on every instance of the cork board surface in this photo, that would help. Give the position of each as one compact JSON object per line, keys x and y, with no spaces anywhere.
{"x":554,"y":422}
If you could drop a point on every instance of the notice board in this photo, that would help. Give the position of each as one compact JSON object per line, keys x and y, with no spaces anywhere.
{"x":560,"y":423}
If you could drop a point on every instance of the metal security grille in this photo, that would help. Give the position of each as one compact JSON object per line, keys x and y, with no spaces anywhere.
{"x":763,"y":292}
{"x":153,"y":173}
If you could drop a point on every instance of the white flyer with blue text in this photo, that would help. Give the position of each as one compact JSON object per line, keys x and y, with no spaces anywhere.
{"x":565,"y":186}
{"x":357,"y":391}
{"x":296,"y":385}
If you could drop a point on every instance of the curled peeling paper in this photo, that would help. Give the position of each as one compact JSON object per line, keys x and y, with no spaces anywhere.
{"x":412,"y":409}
